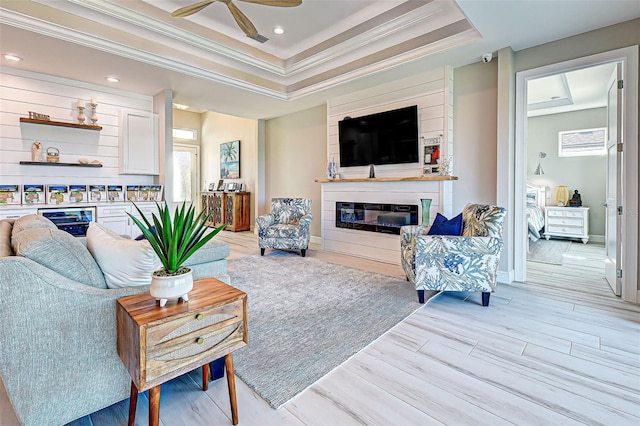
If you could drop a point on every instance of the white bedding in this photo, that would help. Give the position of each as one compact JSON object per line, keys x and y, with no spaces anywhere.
{"x":535,"y":221}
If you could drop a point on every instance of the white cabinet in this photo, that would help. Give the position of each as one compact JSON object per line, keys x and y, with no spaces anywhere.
{"x":139,"y":152}
{"x":570,"y":222}
{"x":115,"y":217}
{"x":15,"y":213}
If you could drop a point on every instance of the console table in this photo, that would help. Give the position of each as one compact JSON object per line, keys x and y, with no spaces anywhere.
{"x":158,"y":344}
{"x":232,"y":208}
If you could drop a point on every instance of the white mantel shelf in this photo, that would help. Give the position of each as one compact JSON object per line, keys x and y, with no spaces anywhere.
{"x":388,"y":179}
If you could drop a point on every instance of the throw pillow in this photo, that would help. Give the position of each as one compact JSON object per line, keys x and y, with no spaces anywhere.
{"x":443,"y":226}
{"x":124,"y":262}
{"x":60,"y":252}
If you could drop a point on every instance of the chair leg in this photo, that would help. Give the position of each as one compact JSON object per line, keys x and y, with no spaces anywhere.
{"x":421,"y":296}
{"x":485,"y":298}
{"x":303,"y":252}
{"x":261,"y":252}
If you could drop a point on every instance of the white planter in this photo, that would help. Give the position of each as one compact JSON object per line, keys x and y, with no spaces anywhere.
{"x":175,"y":287}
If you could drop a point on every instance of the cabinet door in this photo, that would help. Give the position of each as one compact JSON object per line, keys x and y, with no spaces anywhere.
{"x":118,"y":224}
{"x":139,"y":150}
{"x":15,"y":213}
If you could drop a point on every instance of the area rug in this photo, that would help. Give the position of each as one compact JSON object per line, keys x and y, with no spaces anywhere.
{"x":551,"y":251}
{"x":306,"y":317}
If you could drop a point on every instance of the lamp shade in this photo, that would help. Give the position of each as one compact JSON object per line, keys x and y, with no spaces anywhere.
{"x":562,"y":195}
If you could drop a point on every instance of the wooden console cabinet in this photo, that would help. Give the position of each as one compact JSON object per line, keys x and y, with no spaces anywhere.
{"x":232,"y":208}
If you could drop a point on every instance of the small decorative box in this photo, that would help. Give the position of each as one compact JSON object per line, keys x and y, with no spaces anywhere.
{"x":78,"y":194}
{"x":10,"y":194}
{"x":115,"y":193}
{"x":97,"y":193}
{"x":57,"y":194}
{"x":132,"y":192}
{"x":33,"y":194}
{"x":155,"y":192}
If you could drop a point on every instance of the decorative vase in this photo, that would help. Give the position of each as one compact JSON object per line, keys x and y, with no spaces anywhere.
{"x":426,"y":206}
{"x":171,"y":287}
{"x":562,"y":196}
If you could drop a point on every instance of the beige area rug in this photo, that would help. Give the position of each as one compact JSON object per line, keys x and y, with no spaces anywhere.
{"x":306,"y":317}
{"x":551,"y":251}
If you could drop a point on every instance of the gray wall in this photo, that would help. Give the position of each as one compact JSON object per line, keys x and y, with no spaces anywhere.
{"x":586,"y":174}
{"x":295,"y":156}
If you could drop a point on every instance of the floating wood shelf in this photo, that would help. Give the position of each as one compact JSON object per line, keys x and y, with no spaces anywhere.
{"x":388,"y":179}
{"x":59,"y":123}
{"x":48,"y":163}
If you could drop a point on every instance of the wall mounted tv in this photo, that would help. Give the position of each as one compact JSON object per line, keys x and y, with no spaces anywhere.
{"x":389,"y":137}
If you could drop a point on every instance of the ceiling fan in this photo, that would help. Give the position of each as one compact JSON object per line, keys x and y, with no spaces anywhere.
{"x":241,"y":19}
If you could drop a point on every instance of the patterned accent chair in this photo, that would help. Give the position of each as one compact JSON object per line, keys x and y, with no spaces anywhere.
{"x":287,"y":226}
{"x":456,"y":263}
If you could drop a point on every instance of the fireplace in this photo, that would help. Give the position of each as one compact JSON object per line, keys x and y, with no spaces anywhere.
{"x":375,"y":217}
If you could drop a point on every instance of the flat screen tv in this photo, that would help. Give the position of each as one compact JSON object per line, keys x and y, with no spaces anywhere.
{"x":389,"y":137}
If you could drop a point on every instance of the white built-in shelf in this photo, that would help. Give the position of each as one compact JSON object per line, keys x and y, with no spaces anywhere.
{"x":59,"y":123}
{"x":389,"y":179}
{"x":51,"y":163}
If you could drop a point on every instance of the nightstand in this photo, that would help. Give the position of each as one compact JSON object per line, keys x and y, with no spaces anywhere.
{"x":570,"y":222}
{"x":158,"y":344}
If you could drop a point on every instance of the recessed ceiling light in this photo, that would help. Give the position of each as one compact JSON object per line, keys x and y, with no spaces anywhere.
{"x":113,"y":79}
{"x":10,"y":57}
{"x":278,"y":30}
{"x":180,"y":106}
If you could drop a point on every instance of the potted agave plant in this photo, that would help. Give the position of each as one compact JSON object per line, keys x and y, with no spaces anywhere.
{"x":174,"y":241}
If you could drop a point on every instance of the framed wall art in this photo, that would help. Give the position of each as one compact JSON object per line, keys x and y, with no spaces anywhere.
{"x":230,"y":160}
{"x":430,"y":156}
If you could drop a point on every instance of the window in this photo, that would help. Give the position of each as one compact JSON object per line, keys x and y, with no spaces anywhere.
{"x":577,"y":143}
{"x":188,"y":134}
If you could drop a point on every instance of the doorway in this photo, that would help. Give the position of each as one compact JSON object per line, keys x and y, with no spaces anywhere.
{"x":628,"y":58}
{"x":186,"y":175}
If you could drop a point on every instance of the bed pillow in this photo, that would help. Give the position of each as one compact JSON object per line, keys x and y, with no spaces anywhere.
{"x":443,"y":226}
{"x":124,"y":262}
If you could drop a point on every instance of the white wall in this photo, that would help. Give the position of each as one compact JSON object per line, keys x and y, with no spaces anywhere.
{"x":432,"y":93}
{"x":23,"y":91}
{"x":586,"y":174}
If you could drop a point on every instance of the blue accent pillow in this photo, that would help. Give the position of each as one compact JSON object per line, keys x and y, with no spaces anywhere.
{"x":443,"y":226}
{"x":142,"y":237}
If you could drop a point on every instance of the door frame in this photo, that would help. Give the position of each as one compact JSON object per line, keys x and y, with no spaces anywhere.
{"x":628,"y":56}
{"x":196,"y":194}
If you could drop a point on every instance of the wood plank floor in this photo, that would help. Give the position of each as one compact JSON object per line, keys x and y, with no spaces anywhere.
{"x":558,"y":349}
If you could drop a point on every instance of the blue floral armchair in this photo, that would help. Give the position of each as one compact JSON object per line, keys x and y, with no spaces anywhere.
{"x":287,"y":226}
{"x":456,"y":263}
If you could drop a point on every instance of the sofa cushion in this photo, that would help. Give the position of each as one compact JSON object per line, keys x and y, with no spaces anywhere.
{"x":32,"y":221}
{"x":282,"y":231}
{"x":5,"y":238}
{"x":212,"y":251}
{"x":124,"y":262}
{"x":60,"y":252}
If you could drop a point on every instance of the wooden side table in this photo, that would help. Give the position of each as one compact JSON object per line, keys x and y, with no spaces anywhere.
{"x":158,"y":344}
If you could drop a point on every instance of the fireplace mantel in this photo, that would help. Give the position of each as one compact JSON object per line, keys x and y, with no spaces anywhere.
{"x":388,"y":179}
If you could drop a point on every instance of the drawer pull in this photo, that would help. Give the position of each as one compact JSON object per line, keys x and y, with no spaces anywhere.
{"x":199,"y":317}
{"x":200,"y":340}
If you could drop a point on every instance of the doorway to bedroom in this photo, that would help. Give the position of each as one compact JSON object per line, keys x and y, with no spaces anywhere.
{"x":531,"y":160}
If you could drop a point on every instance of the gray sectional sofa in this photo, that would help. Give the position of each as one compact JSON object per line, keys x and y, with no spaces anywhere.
{"x":58,"y":357}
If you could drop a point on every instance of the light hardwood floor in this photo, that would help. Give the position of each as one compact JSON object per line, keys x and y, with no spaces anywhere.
{"x":558,"y":349}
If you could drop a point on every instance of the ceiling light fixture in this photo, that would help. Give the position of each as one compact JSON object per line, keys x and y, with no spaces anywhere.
{"x":113,"y":79}
{"x":278,"y":30}
{"x":10,"y":57}
{"x":180,"y":106}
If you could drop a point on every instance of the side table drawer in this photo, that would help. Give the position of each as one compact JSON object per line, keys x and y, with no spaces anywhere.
{"x":567,"y":221}
{"x":565,"y":230}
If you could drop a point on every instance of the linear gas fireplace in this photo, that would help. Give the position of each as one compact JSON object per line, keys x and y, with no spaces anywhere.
{"x":375,"y":217}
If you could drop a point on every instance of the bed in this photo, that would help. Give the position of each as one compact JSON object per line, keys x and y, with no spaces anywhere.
{"x":536,"y":196}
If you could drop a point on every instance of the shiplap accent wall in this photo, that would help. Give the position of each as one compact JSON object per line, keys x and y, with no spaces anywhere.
{"x":432,"y":92}
{"x":24,"y":91}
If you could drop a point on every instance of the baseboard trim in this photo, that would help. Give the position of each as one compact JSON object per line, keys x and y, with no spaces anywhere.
{"x":506,"y":277}
{"x":596,"y":239}
{"x":316,"y":240}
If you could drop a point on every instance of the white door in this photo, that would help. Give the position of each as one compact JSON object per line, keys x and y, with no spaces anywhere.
{"x":613,"y":236}
{"x":186,"y":171}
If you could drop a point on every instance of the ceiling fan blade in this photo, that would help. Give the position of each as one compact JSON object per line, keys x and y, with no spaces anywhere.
{"x":191,"y":9}
{"x":243,"y":22}
{"x":279,"y":3}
